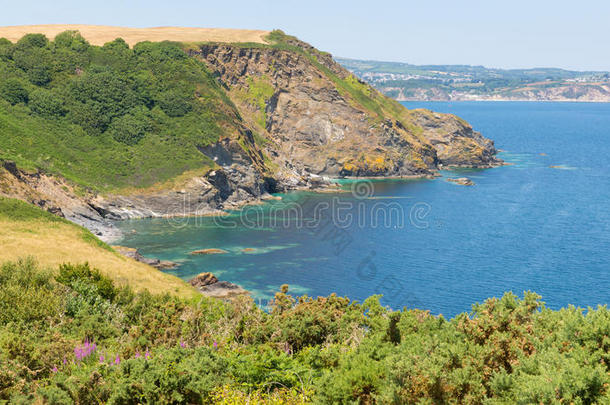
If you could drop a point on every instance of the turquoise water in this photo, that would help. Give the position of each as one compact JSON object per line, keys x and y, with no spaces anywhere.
{"x":442,"y":246}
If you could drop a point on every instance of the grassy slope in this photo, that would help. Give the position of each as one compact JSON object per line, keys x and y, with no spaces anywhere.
{"x":100,"y":163}
{"x":29,"y":231}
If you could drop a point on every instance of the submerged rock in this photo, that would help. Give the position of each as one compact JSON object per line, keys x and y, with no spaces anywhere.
{"x":208,"y":252}
{"x":136,"y":255}
{"x":462,"y":181}
{"x":208,"y":285}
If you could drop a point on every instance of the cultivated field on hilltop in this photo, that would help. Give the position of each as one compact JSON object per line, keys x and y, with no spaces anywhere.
{"x":101,"y":34}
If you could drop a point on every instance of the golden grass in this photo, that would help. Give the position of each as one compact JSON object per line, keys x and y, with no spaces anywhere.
{"x":54,"y":243}
{"x":101,"y":34}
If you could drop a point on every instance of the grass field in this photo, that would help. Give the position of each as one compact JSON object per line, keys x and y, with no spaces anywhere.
{"x":101,"y":34}
{"x":26,"y":230}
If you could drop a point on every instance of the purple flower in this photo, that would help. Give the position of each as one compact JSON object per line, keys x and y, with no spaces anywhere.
{"x":54,"y":369}
{"x":65,"y":361}
{"x":138,"y":355}
{"x":182,"y":344}
{"x":147,"y":354}
{"x":102,"y":359}
{"x":87,"y":348}
{"x":215,"y":345}
{"x":117,"y":361}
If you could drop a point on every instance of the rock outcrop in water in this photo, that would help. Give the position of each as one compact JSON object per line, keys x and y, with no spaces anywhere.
{"x":302,"y":118}
{"x":209,"y":285}
{"x":462,"y":181}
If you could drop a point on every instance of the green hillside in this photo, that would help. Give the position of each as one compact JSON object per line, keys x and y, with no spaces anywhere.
{"x":107,"y":117}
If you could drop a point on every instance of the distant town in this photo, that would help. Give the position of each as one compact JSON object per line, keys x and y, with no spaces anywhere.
{"x":406,"y":82}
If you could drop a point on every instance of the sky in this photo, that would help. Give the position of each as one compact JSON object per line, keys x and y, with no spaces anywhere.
{"x":502,"y":34}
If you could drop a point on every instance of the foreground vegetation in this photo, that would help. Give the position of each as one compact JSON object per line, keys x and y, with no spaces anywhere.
{"x":69,"y":335}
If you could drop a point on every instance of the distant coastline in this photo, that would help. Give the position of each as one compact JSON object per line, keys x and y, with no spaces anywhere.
{"x":405,"y":82}
{"x":506,"y":100}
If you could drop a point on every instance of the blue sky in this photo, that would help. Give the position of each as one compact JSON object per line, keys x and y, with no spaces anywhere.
{"x":507,"y":34}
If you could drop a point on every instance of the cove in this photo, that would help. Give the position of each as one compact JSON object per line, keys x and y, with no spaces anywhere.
{"x":540,"y":224}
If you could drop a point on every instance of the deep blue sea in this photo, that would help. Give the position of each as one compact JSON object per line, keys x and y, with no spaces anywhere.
{"x":430,"y":244}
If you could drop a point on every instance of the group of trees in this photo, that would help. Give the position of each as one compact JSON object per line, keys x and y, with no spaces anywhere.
{"x":72,"y":336}
{"x":108,"y":117}
{"x":113,"y":89}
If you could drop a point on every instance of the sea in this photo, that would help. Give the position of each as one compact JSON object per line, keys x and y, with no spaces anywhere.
{"x":540,"y":223}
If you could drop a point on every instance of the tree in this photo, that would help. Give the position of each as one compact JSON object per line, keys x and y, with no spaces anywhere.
{"x":174,"y":103}
{"x":13,"y":91}
{"x":46,"y":103}
{"x":32,"y":55}
{"x":131,"y":127}
{"x":30,"y":41}
{"x":72,"y":40}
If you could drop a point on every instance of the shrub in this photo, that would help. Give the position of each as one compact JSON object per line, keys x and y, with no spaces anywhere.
{"x":70,"y":274}
{"x":26,"y":293}
{"x":162,"y":349}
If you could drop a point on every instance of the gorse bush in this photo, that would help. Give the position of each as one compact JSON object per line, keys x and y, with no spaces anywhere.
{"x":71,"y":336}
{"x":70,"y":274}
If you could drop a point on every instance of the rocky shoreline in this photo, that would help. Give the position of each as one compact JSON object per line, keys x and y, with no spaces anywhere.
{"x":304,"y":131}
{"x":199,"y":197}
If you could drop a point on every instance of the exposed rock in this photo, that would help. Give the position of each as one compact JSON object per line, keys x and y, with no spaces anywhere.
{"x":136,"y":255}
{"x":315,"y":128}
{"x":203,"y":279}
{"x":210,"y":286}
{"x":208,"y":252}
{"x":462,"y":181}
{"x":55,"y":195}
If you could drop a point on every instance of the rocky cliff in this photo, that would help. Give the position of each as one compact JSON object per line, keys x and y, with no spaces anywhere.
{"x":299,"y":119}
{"x":317,"y":118}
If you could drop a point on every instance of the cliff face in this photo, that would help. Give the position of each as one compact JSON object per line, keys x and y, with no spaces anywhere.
{"x":299,"y":117}
{"x":319,"y":119}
